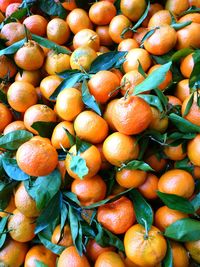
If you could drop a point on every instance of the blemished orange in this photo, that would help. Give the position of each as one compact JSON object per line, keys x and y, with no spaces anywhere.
{"x":130,"y":178}
{"x":168,"y":77}
{"x":127,"y":45}
{"x":38,"y":112}
{"x":130,"y":80}
{"x":187,"y":65}
{"x":194,"y":17}
{"x":149,"y":187}
{"x":89,"y":190}
{"x":7,"y":67}
{"x":93,"y":250}
{"x":117,"y":216}
{"x":36,"y":24}
{"x":109,"y":259}
{"x":159,"y":122}
{"x":92,"y":158}
{"x":101,"y":13}
{"x":188,"y":36}
{"x":145,"y":250}
{"x":161,"y":41}
{"x":116,"y":27}
{"x":59,"y":136}
{"x":91,"y":127}
{"x":58,"y":31}
{"x":119,"y":148}
{"x":13,"y":253}
{"x":179,"y":255}
{"x":56,"y":63}
{"x":86,"y":37}
{"x":135,"y":55}
{"x":71,"y":257}
{"x":194,"y":112}
{"x":131,"y":115}
{"x":37,"y":158}
{"x":193,"y":150}
{"x":21,"y":96}
{"x":107,"y":115}
{"x":161,"y":17}
{"x":104,"y":36}
{"x":49,"y":84}
{"x":133,"y":9}
{"x":178,"y":182}
{"x":157,"y":163}
{"x":175,"y":152}
{"x":194,"y":249}
{"x":12,"y":32}
{"x":20,"y":227}
{"x":165,"y":216}
{"x":175,"y":6}
{"x":5,"y":116}
{"x":32,"y":77}
{"x":25,"y":203}
{"x":69,"y":104}
{"x":62,"y":239}
{"x":78,"y":19}
{"x":9,"y":209}
{"x":42,"y":254}
{"x":182,"y":90}
{"x":30,"y":56}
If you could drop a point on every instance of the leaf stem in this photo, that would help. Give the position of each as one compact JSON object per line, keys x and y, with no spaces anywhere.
{"x":146,"y":235}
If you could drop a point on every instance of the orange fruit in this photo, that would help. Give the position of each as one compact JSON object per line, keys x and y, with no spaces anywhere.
{"x":7,"y":67}
{"x":42,"y":139}
{"x":194,"y":249}
{"x":159,"y":122}
{"x":174,"y":101}
{"x":101,"y":13}
{"x":12,"y":32}
{"x":36,"y":24}
{"x":105,"y":165}
{"x":71,"y":257}
{"x":178,"y":182}
{"x":188,"y":36}
{"x":86,"y":37}
{"x":10,"y":208}
{"x":63,"y":240}
{"x":103,"y":49}
{"x":59,"y":136}
{"x":175,"y":6}
{"x":130,"y":80}
{"x":135,"y":55}
{"x":20,"y":227}
{"x":49,"y":84}
{"x":156,"y":162}
{"x":108,"y":114}
{"x":168,"y":77}
{"x":5,"y":3}
{"x":160,"y":18}
{"x":21,"y":96}
{"x":117,"y":216}
{"x":194,"y":112}
{"x":14,"y":126}
{"x":32,"y":77}
{"x":133,"y":9}
{"x":130,"y":178}
{"x":175,"y":152}
{"x":131,"y":115}
{"x":30,"y":56}
{"x":42,"y":254}
{"x":90,"y":127}
{"x":127,"y":45}
{"x":11,"y":8}
{"x":36,"y":113}
{"x":58,"y":31}
{"x":5,"y":117}
{"x":104,"y":36}
{"x":193,"y":149}
{"x":37,"y":158}
{"x":149,"y":187}
{"x":187,"y":65}
{"x":138,"y":36}
{"x":56,"y":63}
{"x":194,"y":3}
{"x":25,"y":203}
{"x":69,"y":104}
{"x":154,"y":8}
{"x":182,"y":90}
{"x":102,"y":84}
{"x":13,"y":253}
{"x":109,"y":259}
{"x":179,"y":254}
{"x":92,"y":158}
{"x":93,"y":250}
{"x":194,"y":17}
{"x":119,"y":148}
{"x":89,"y":190}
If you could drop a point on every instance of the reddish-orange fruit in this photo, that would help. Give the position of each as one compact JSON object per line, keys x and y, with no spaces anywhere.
{"x":12,"y":32}
{"x":138,"y":36}
{"x":174,"y":101}
{"x":179,"y":254}
{"x":145,"y":249}
{"x":175,"y":152}
{"x":133,"y":9}
{"x":159,"y":122}
{"x":65,"y":240}
{"x":14,"y":126}
{"x":194,"y":112}
{"x":154,"y":8}
{"x":194,"y":249}
{"x":5,"y":3}
{"x":127,"y":45}
{"x":89,"y":190}
{"x":187,"y":65}
{"x":119,"y":148}
{"x":32,"y":77}
{"x":130,"y":80}
{"x":130,"y":178}
{"x":37,"y":158}
{"x":7,"y":67}
{"x":86,"y":37}
{"x":157,"y":163}
{"x":5,"y":117}
{"x":149,"y":187}
{"x":36,"y":24}
{"x":108,"y":114}
{"x":167,"y":80}
{"x":104,"y":36}
{"x":69,"y":4}
{"x":165,"y":216}
{"x":56,"y":63}
{"x":71,"y":257}
{"x":175,"y":6}
{"x":49,"y":84}
{"x":188,"y":36}
{"x":193,"y":149}
{"x":178,"y":182}
{"x":105,"y":165}
{"x":161,"y":17}
{"x":30,"y":56}
{"x":101,"y":13}
{"x":117,"y":216}
{"x":58,"y":31}
{"x":109,"y":259}
{"x":9,"y":209}
{"x":131,"y":115}
{"x":11,"y":9}
{"x":42,"y":254}
{"x":194,"y":3}
{"x":194,"y":17}
{"x":182,"y":90}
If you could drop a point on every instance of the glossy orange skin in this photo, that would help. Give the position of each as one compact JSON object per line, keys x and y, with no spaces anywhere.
{"x":5,"y":3}
{"x":160,"y":18}
{"x":104,"y":36}
{"x":194,"y":112}
{"x":93,"y":249}
{"x":58,"y":31}
{"x":108,"y":259}
{"x":156,"y":163}
{"x":182,"y":90}
{"x":7,"y":66}
{"x":159,"y":122}
{"x":188,"y":37}
{"x":194,"y":17}
{"x":194,"y":249}
{"x":130,"y":80}
{"x":175,"y":152}
{"x":127,"y":45}
{"x":187,"y":65}
{"x":167,"y":80}
{"x":101,"y":13}
{"x":149,"y":187}
{"x":108,"y":114}
{"x":176,"y":7}
{"x":86,"y":37}
{"x":179,"y":254}
{"x":49,"y":84}
{"x":193,"y":149}
{"x":66,"y":239}
{"x":132,"y":9}
{"x":36,"y":24}
{"x":5,"y":117}
{"x":32,"y":77}
{"x":130,"y":178}
{"x":13,"y":32}
{"x":56,"y":63}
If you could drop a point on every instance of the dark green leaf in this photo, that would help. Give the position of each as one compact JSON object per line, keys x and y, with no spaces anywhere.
{"x":68,"y":73}
{"x":13,"y":140}
{"x":6,"y":193}
{"x":184,"y":165}
{"x":89,"y":99}
{"x":178,"y":55}
{"x":192,"y":9}
{"x":78,"y":166}
{"x":153,"y":80}
{"x":152,"y":100}
{"x":178,"y":26}
{"x":13,"y":171}
{"x":143,"y":210}
{"x":44,"y":128}
{"x":50,"y":213}
{"x":3,"y":98}
{"x":179,"y":136}
{"x":147,"y":35}
{"x":196,"y":202}
{"x":12,"y":48}
{"x":189,"y":105}
{"x":3,"y":234}
{"x":164,"y":58}
{"x":162,"y":97}
{"x":64,"y":214}
{"x":136,"y":165}
{"x":176,"y":202}
{"x":40,"y":264}
{"x":70,"y":137}
{"x":106,"y":61}
{"x":52,"y":8}
{"x":168,"y":260}
{"x":142,"y":18}
{"x":183,"y":125}
{"x":194,"y":81}
{"x":81,"y":146}
{"x":72,"y":197}
{"x":84,"y":4}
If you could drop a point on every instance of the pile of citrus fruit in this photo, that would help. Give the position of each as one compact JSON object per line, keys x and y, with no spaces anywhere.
{"x":99,"y":133}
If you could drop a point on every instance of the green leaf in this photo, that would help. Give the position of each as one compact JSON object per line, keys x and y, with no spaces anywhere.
{"x":12,"y":48}
{"x":50,"y":213}
{"x":44,"y":128}
{"x":176,"y":202}
{"x":147,"y":35}
{"x":3,"y":234}
{"x":168,"y":260}
{"x":43,"y":189}
{"x":153,"y":80}
{"x":78,"y":166}
{"x":142,"y":18}
{"x":107,"y":61}
{"x":189,"y":105}
{"x":136,"y":165}
{"x":68,"y":73}
{"x":13,"y":140}
{"x":13,"y":171}
{"x":72,"y":197}
{"x":89,"y":99}
{"x":40,"y":264}
{"x":6,"y":193}
{"x":178,"y":55}
{"x":194,"y":81}
{"x":164,"y":58}
{"x":81,"y":146}
{"x":70,"y":137}
{"x":192,"y":9}
{"x":184,"y":165}
{"x":3,"y":98}
{"x":140,"y":70}
{"x":196,"y":202}
{"x":143,"y":210}
{"x":184,"y":230}
{"x":152,"y":100}
{"x":178,"y":26}
{"x":183,"y":125}
{"x":52,"y":8}
{"x":63,"y":217}
{"x":162,"y":97}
